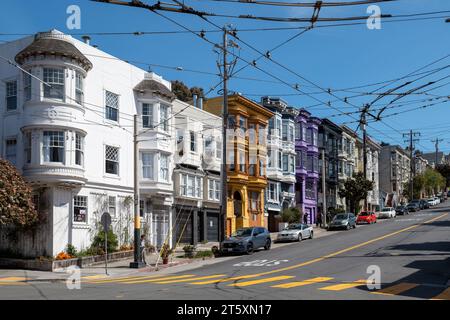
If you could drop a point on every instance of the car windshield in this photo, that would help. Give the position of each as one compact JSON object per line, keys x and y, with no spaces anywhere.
{"x":340,"y":217}
{"x":294,"y":226}
{"x":386,"y":209}
{"x":400,"y":207}
{"x":364,"y":213}
{"x":242,"y":233}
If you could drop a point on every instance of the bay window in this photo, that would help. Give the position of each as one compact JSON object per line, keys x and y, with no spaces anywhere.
{"x":79,"y":149}
{"x":147,"y":165}
{"x":262,"y":134}
{"x":27,"y":86}
{"x":164,"y":168}
{"x":183,"y":184}
{"x":163,"y":117}
{"x":54,"y":146}
{"x":27,"y":146}
{"x":147,"y":115}
{"x":79,"y":88}
{"x":54,"y":87}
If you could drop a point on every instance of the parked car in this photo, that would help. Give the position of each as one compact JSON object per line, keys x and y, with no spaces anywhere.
{"x":413,"y":206}
{"x":387,"y":212}
{"x":343,"y":220}
{"x":403,"y":210}
{"x":424,"y":204}
{"x":438,"y":200}
{"x":432,"y":201}
{"x":421,"y":204}
{"x":295,"y":232}
{"x":366,"y":217}
{"x":246,"y":240}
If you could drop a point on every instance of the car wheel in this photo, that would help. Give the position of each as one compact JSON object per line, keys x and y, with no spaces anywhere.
{"x":268,"y":244}
{"x":249,"y":248}
{"x":348,"y":226}
{"x":300,"y":238}
{"x":311,"y":235}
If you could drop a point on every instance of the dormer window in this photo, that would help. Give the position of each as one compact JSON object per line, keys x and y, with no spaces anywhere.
{"x":54,"y":83}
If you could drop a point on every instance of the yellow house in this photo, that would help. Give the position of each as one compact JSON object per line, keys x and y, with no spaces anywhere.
{"x":246,"y":160}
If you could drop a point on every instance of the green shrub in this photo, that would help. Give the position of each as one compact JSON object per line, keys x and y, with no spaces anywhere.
{"x":291,"y":215}
{"x":204,"y":254}
{"x":71,"y":250}
{"x":98,"y":245}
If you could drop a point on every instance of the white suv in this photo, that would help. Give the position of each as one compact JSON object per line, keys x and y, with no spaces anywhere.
{"x":387,"y":212}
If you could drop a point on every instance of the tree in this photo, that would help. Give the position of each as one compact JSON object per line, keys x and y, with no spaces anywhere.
{"x":356,"y":189}
{"x":184,"y":93}
{"x":16,"y":205}
{"x":418,"y":187}
{"x":444,"y":170}
{"x":433,"y":181}
{"x":291,"y":215}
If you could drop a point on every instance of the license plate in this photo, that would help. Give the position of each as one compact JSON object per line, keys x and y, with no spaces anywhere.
{"x":230,"y":249}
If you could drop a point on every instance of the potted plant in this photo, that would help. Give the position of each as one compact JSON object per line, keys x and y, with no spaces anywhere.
{"x":165,"y":253}
{"x":189,"y":251}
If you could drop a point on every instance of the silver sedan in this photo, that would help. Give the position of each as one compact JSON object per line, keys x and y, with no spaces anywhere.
{"x":296,"y":232}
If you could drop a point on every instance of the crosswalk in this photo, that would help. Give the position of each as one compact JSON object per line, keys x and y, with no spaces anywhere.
{"x":282,"y":282}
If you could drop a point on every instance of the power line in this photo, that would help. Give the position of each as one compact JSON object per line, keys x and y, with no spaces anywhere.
{"x":303,"y":4}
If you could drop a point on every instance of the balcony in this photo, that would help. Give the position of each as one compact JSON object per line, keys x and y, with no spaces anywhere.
{"x":55,"y":174}
{"x":286,"y":194}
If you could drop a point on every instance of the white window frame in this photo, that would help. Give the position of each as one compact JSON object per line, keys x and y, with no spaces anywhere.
{"x":11,"y":93}
{"x":148,"y":167}
{"x":27,"y":141}
{"x":164,"y":117}
{"x":51,"y":144}
{"x":55,"y":77}
{"x":79,"y":148}
{"x":148,"y":114}
{"x":79,"y":88}
{"x":11,"y":156}
{"x":112,"y":206}
{"x":164,"y":171}
{"x":117,"y":160}
{"x":111,"y":106}
{"x":80,"y":201}
{"x":192,"y":141}
{"x":27,"y":85}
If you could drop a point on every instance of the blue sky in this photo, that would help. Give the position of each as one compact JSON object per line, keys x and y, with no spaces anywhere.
{"x":335,"y":58}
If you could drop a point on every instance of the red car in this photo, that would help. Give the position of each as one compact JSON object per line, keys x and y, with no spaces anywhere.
{"x":366,"y":217}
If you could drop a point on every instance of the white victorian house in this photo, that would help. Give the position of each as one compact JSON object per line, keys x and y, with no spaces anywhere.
{"x":69,"y":130}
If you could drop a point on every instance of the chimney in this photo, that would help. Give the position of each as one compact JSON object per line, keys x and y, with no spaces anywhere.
{"x":200,"y":103}
{"x":194,"y":100}
{"x":86,"y":39}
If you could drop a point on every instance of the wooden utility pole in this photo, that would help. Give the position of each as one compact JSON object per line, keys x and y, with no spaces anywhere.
{"x":412,"y":170}
{"x":436,"y":145}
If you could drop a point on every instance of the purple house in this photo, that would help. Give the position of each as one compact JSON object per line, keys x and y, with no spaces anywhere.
{"x":307,"y":164}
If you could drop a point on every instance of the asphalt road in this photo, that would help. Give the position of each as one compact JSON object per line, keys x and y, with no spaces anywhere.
{"x":411,"y":254}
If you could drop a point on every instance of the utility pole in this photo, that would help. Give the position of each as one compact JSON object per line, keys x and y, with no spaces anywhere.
{"x":363,"y":123}
{"x":224,"y":194}
{"x":436,"y":145}
{"x":137,"y":263}
{"x":324,"y":196}
{"x":412,"y":171}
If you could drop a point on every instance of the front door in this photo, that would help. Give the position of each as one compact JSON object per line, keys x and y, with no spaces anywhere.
{"x":160,"y":228}
{"x":212,"y":227}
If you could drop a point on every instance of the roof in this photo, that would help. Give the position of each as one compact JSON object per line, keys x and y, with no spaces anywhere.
{"x":50,"y":43}
{"x":155,"y":87}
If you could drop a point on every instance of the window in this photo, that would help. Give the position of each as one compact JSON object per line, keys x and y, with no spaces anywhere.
{"x":164,"y":168}
{"x":112,"y":106}
{"x":292,"y":164}
{"x":112,"y":160}
{"x":252,"y":133}
{"x":252,"y":166}
{"x":254,"y":200}
{"x":262,"y":135}
{"x":241,"y":160}
{"x":217,"y":189}
{"x":262,"y":167}
{"x":285,"y":162}
{"x":298,"y":159}
{"x":79,"y":88}
{"x":291,"y":133}
{"x":53,"y":147}
{"x":309,"y":136}
{"x":147,"y":165}
{"x":183,"y":184}
{"x":198,"y":187}
{"x":284,"y":132}
{"x":218,"y":149}
{"x":298,"y":131}
{"x":112,"y":206}
{"x":55,"y":78}
{"x":193,"y":141}
{"x":80,"y":209}
{"x":309,"y":189}
{"x":190,"y":186}
{"x":280,"y":156}
{"x":242,"y":125}
{"x":147,"y":115}
{"x":11,"y":95}
{"x":278,"y":127}
{"x":231,"y":122}
{"x":272,"y":192}
{"x":11,"y":150}
{"x":211,"y":186}
{"x":316,"y":164}
{"x":230,"y":153}
{"x":27,"y":146}
{"x":209,"y":150}
{"x":163,"y":117}
{"x":79,"y":149}
{"x":27,"y":86}
{"x":309,"y":163}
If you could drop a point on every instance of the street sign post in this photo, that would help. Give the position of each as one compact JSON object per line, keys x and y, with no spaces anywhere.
{"x":106,"y":223}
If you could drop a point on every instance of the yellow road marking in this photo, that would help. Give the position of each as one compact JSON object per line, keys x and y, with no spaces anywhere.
{"x":444,"y":295}
{"x":301,"y":283}
{"x":12,"y":279}
{"x":396,"y":289}
{"x":97,"y":276}
{"x":190,"y":279}
{"x":11,"y":283}
{"x":258,"y":281}
{"x":122,"y":279}
{"x":344,"y":286}
{"x":347,"y":249}
{"x":223,"y":280}
{"x":160,"y":279}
